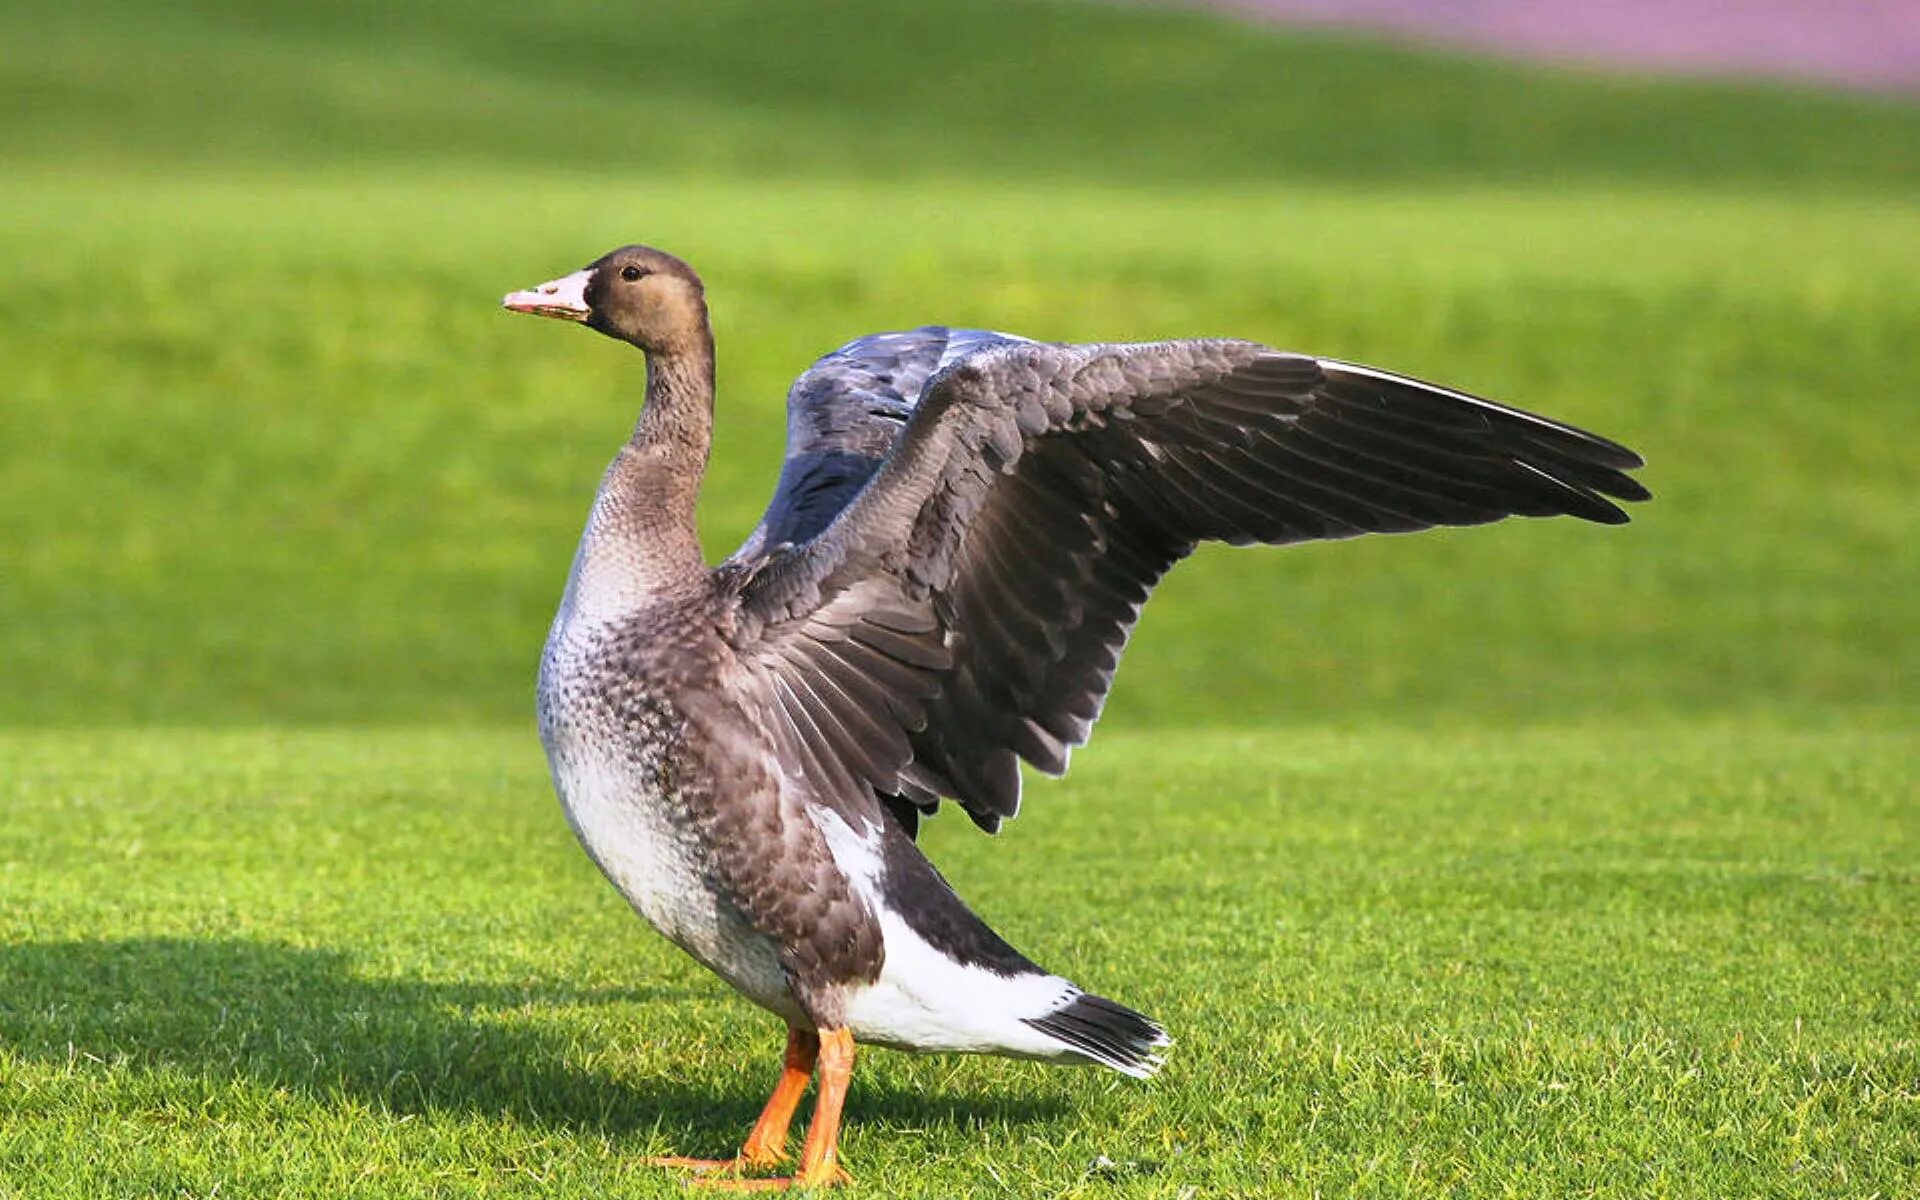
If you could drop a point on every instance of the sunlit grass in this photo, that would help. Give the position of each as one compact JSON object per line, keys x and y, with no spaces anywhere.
{"x":1603,"y":961}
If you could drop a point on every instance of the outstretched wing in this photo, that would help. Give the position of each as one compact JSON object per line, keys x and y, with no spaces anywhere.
{"x":843,"y":415}
{"x":970,"y":603}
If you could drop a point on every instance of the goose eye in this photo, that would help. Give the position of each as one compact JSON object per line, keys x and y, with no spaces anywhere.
{"x":630,"y":273}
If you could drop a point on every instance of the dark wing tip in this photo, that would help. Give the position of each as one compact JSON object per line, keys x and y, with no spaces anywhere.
{"x":1613,"y":515}
{"x":1629,"y":460}
{"x":1631,"y":490}
{"x":1579,"y":498}
{"x":1583,"y":468}
{"x":1589,"y":447}
{"x":986,"y":822}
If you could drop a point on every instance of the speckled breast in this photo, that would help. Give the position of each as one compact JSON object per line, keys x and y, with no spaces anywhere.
{"x":611,"y":747}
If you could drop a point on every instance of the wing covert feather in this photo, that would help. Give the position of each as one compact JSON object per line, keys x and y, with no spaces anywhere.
{"x":1037,"y":493}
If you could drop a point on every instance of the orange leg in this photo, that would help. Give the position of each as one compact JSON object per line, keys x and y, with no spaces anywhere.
{"x":766,"y":1143}
{"x":820,"y":1155}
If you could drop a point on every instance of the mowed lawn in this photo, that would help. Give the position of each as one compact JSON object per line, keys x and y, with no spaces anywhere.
{"x":1619,"y":962}
{"x":1540,"y":859}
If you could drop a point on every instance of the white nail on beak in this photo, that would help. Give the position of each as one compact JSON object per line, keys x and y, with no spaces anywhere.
{"x":564,"y":298}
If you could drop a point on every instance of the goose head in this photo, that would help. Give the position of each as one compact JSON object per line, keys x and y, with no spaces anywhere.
{"x":640,"y":295}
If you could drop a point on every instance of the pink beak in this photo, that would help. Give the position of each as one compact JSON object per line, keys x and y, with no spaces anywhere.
{"x":564,"y":298}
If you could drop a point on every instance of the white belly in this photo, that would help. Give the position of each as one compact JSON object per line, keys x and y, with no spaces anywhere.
{"x":658,"y":866}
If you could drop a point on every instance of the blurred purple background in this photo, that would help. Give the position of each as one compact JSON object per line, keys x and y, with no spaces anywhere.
{"x":1856,"y":43}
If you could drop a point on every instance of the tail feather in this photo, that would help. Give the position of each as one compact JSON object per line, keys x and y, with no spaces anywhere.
{"x":1112,"y":1035}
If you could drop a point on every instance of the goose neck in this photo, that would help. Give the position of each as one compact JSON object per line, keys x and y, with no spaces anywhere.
{"x":641,"y":541}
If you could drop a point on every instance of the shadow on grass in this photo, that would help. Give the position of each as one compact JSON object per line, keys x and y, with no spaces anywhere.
{"x":301,"y":1019}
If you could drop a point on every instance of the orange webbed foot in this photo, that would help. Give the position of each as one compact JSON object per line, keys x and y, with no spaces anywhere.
{"x":714,"y":1166}
{"x":832,"y":1051}
{"x":834,"y":1178}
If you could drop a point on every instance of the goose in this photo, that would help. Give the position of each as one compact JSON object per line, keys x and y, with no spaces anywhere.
{"x":963,"y":533}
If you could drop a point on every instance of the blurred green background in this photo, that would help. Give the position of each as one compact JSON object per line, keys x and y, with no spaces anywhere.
{"x":269,"y":453}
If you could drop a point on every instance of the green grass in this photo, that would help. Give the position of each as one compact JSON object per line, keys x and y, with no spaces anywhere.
{"x":1549,"y":860}
{"x":269,"y":451}
{"x":283,"y":459}
{"x":878,"y":89}
{"x":1606,"y":961}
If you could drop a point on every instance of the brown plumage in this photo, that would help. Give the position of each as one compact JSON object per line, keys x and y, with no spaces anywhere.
{"x":961,"y":539}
